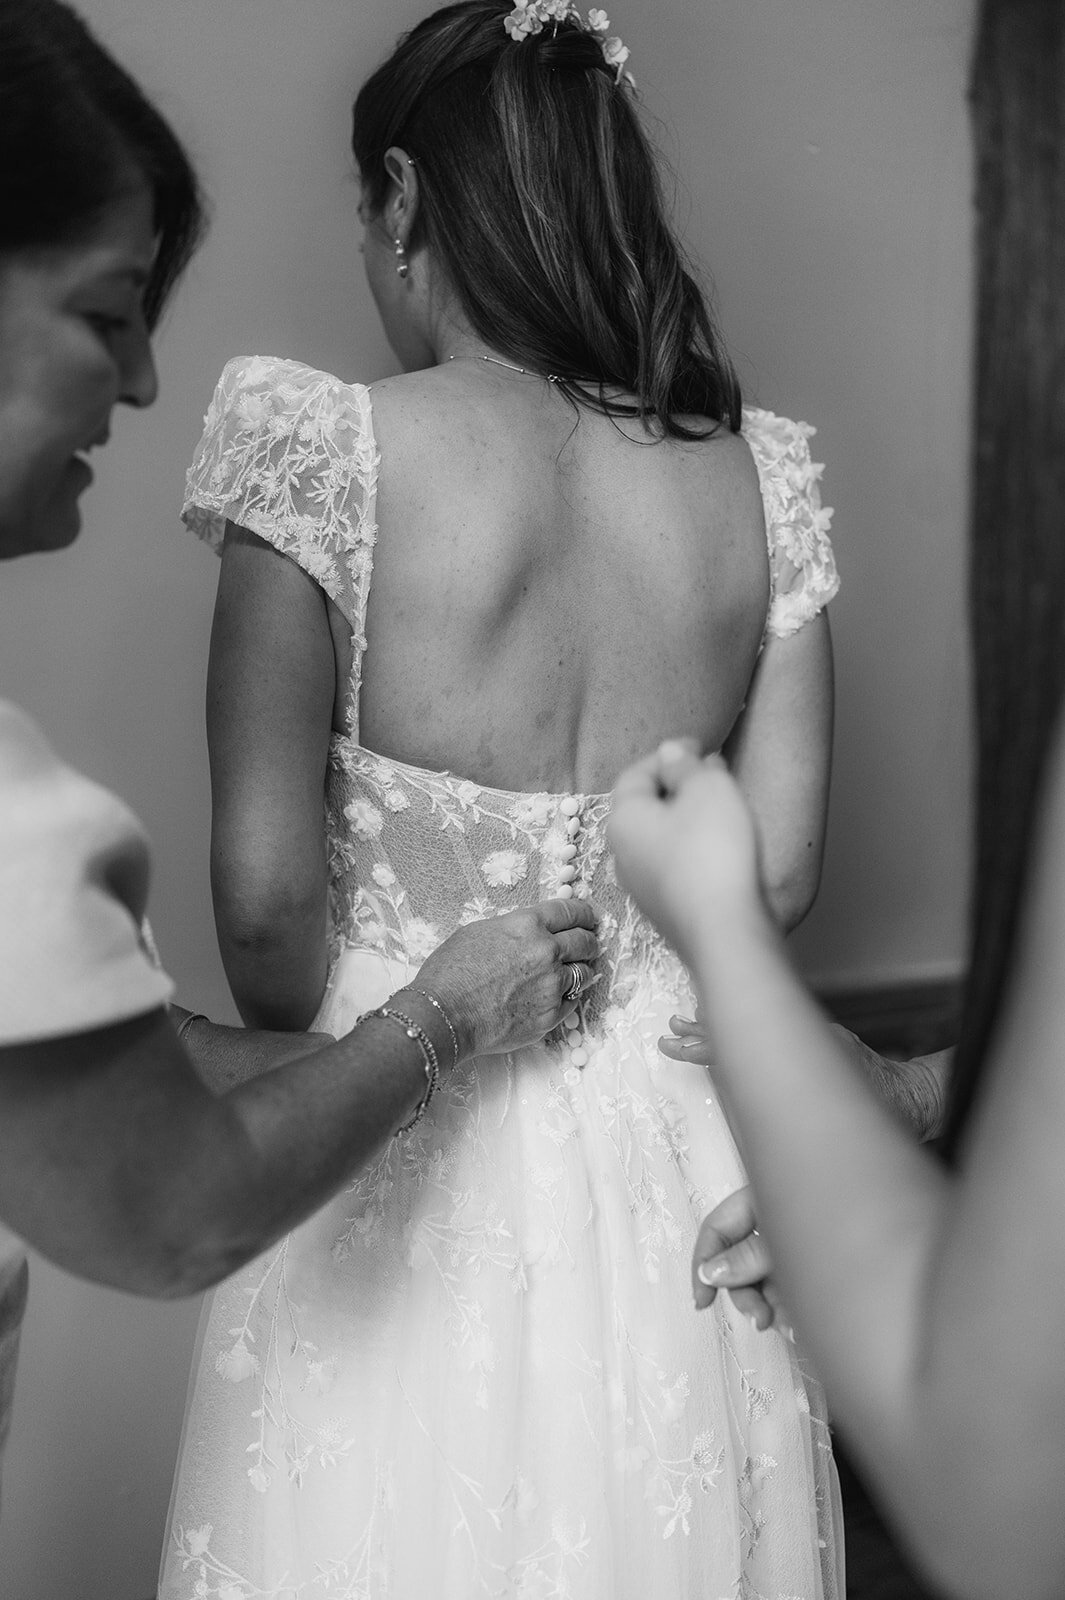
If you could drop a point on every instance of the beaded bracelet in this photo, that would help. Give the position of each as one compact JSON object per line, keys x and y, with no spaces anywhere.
{"x":433,"y":1001}
{"x":429,"y":1057}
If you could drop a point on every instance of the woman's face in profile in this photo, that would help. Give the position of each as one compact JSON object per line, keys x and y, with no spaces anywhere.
{"x":73,"y":344}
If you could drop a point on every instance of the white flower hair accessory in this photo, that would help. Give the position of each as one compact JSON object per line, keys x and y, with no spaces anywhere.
{"x":532,"y":16}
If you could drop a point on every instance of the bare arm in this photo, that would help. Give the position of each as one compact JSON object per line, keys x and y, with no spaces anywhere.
{"x":121,"y":1165}
{"x":915,"y":1090}
{"x":905,"y":1281}
{"x":270,"y":693}
{"x":225,"y":1057}
{"x":780,"y":753}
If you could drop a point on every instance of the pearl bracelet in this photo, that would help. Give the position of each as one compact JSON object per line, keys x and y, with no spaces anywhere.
{"x":430,"y":1061}
{"x":433,"y":1001}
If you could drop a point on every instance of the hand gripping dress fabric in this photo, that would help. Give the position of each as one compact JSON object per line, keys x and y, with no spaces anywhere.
{"x":476,"y":1374}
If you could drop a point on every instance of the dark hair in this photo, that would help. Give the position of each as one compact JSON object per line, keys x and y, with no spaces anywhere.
{"x":539,"y":196}
{"x":73,"y":128}
{"x":1017,"y":576}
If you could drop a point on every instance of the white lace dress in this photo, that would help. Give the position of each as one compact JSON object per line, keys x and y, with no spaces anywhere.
{"x":477,"y":1372}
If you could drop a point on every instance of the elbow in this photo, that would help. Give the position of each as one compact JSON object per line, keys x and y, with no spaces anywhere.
{"x":154,"y":1263}
{"x":192,"y":1221}
{"x":182,"y":1252}
{"x":274,"y":950}
{"x":790,"y":895}
{"x":192,"y":1267}
{"x":269,"y":918}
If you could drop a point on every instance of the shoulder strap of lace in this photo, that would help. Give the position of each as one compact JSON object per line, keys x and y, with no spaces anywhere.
{"x":801,"y":563}
{"x":289,"y":453}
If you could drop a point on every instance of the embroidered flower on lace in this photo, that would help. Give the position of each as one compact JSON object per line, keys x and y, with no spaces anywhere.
{"x":320,"y":1375}
{"x":708,"y":1459}
{"x":383,"y":876}
{"x":475,"y":910}
{"x":197,"y":1539}
{"x":365,"y":818}
{"x":420,"y":938}
{"x":504,"y":868}
{"x":237,"y":1363}
{"x":533,"y":810}
{"x":253,"y":410}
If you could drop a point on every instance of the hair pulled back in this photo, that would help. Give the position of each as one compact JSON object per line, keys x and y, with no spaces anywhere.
{"x":1017,"y":576}
{"x":539,"y":196}
{"x":74,"y":130}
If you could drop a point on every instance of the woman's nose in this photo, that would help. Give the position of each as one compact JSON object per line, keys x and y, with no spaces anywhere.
{"x":140,"y":382}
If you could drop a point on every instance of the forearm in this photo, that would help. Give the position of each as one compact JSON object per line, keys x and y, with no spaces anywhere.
{"x":184,"y":1186}
{"x":915,"y":1089}
{"x":850,"y":1205}
{"x":225,"y":1057}
{"x":903,"y":1281}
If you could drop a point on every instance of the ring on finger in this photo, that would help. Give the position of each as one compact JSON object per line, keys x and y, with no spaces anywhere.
{"x":576,"y":981}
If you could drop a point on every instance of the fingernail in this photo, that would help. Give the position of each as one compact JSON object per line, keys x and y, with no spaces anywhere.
{"x":711,"y":1272}
{"x":686,"y":1022}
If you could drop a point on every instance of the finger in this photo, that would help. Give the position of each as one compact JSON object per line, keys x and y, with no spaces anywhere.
{"x":781,"y":1317}
{"x":729,"y":1222}
{"x":741,"y":1264}
{"x":691,"y":1050}
{"x":684,"y":1027}
{"x":557,"y":915}
{"x":576,"y":944}
{"x":566,"y":974}
{"x":752,"y":1303}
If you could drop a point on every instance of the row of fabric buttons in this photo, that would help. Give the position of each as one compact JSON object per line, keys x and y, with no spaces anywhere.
{"x":569,"y":873}
{"x":570,"y":885}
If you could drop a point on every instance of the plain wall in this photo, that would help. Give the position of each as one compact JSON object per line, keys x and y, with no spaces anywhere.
{"x":822,"y":162}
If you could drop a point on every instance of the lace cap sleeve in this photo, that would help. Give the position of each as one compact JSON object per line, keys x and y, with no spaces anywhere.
{"x":803,"y":576}
{"x":289,"y":453}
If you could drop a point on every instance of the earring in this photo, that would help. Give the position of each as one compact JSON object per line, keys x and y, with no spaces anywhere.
{"x":401,"y":258}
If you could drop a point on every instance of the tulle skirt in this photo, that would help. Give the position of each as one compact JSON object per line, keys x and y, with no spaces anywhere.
{"x":477,"y":1372}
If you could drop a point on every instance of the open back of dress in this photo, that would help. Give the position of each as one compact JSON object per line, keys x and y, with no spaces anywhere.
{"x":477,"y":1372}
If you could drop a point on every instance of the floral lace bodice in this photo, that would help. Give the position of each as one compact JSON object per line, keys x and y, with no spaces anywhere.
{"x":289,"y":453}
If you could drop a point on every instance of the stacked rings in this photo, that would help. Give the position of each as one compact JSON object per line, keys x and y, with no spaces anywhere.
{"x":576,"y":981}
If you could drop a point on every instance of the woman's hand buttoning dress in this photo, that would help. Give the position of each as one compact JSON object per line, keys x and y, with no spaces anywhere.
{"x":454,"y":605}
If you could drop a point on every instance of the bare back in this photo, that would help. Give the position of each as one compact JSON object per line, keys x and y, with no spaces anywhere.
{"x":553,"y":590}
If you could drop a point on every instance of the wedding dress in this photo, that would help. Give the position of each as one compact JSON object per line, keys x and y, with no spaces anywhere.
{"x":477,"y":1372}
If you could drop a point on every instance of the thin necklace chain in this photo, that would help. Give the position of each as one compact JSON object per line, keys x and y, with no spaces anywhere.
{"x":550,"y":376}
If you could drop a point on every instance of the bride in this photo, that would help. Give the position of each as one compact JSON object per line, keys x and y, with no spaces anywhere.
{"x":455,"y":604}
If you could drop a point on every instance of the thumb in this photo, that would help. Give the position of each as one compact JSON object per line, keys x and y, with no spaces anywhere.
{"x":730,"y":1222}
